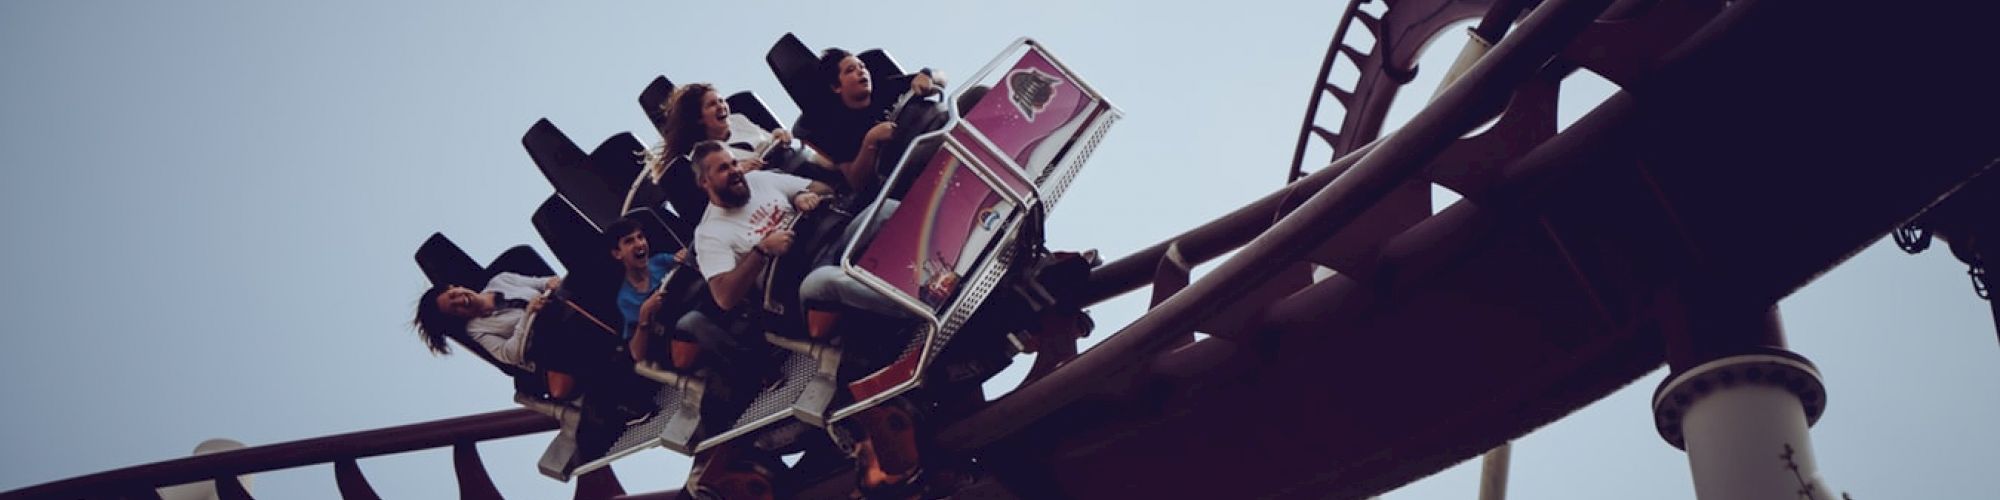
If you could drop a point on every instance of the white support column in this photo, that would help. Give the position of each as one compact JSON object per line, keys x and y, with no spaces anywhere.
{"x":1493,"y":472}
{"x":1475,"y":48}
{"x":1743,"y":421}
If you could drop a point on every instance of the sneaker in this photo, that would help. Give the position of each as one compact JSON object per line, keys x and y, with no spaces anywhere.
{"x":641,"y":418}
{"x":635,"y":416}
{"x":771,"y":382}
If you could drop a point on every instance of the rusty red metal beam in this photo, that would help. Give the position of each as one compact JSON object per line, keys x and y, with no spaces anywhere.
{"x":1214,"y":238}
{"x":1486,"y":331}
{"x":325,"y":449}
{"x":1478,"y":95}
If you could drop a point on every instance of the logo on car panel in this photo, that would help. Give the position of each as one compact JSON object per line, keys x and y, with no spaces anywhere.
{"x":1031,"y":90}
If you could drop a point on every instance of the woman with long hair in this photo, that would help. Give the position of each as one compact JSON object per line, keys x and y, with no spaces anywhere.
{"x":697,"y":112}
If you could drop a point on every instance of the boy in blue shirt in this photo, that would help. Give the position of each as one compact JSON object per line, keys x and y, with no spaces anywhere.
{"x":639,"y":297}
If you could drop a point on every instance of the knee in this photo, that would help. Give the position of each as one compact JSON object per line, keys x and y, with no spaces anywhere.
{"x":889,"y":207}
{"x":818,"y":282}
{"x":696,"y":323}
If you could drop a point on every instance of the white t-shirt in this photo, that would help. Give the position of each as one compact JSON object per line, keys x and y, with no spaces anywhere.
{"x":726,"y":234}
{"x":504,"y":333}
{"x":744,"y":136}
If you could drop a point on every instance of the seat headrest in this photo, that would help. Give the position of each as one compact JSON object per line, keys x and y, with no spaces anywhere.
{"x":653,"y":101}
{"x":443,"y":262}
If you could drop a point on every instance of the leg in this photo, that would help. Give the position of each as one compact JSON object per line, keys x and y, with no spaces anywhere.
{"x":736,"y":361}
{"x":831,"y":284}
{"x":637,"y":346}
{"x":561,"y":385}
{"x":889,"y":207}
{"x":684,"y":354}
{"x":711,"y":338}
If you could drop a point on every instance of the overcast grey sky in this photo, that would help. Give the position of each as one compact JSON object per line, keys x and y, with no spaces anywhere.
{"x":210,"y":209}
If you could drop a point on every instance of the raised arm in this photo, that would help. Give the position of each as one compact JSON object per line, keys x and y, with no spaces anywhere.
{"x":859,"y":172}
{"x":514,"y":284}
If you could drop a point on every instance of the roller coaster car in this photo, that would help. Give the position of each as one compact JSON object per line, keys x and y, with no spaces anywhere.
{"x":973,"y":191}
{"x":679,"y":397}
{"x":443,"y":262}
{"x":589,"y":191}
{"x":972,"y":196}
{"x":971,"y":209}
{"x":676,"y":187}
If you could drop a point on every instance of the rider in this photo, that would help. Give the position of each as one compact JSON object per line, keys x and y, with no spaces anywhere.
{"x":850,"y":135}
{"x":737,"y":237}
{"x":513,"y":319}
{"x":493,"y":317}
{"x":697,"y":112}
{"x":641,"y":294}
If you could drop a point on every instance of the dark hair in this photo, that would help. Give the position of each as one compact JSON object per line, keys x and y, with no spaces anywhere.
{"x":433,"y":325}
{"x":829,"y":66}
{"x":684,"y":126}
{"x":702,"y":150}
{"x":617,"y":231}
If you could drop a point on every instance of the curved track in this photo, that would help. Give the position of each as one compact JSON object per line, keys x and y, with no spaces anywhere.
{"x":1713,"y":174}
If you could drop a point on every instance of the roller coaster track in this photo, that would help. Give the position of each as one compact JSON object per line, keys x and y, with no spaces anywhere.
{"x":1735,"y":165}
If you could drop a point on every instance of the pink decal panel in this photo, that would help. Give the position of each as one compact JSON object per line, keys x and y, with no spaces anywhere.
{"x":943,"y":224}
{"x":1008,"y":176}
{"x":1032,"y":103}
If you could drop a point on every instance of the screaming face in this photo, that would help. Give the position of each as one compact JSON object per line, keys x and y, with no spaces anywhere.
{"x":723,"y":181}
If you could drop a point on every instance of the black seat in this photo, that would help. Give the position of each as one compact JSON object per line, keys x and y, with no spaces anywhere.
{"x":520,"y":259}
{"x":595,"y":183}
{"x":567,"y":234}
{"x":617,"y":162}
{"x":665,"y":232}
{"x":796,"y":66}
{"x":561,"y":162}
{"x":443,"y":262}
{"x":747,"y":103}
{"x":576,"y":244}
{"x":678,"y":186}
{"x":653,"y":101}
{"x":879,"y":62}
{"x":794,"y":63}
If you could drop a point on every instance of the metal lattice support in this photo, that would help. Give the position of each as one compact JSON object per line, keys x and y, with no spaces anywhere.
{"x":1052,"y":192}
{"x":1385,"y":68}
{"x":473,"y":481}
{"x":643,"y":436}
{"x":352,"y":485}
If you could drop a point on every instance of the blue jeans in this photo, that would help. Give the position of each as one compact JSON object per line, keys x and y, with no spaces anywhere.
{"x":728,"y":355}
{"x":831,"y":284}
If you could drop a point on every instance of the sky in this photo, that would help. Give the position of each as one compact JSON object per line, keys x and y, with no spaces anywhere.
{"x":210,"y":209}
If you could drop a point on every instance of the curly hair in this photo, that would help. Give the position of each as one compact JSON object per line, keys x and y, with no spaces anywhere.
{"x":684,"y":127}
